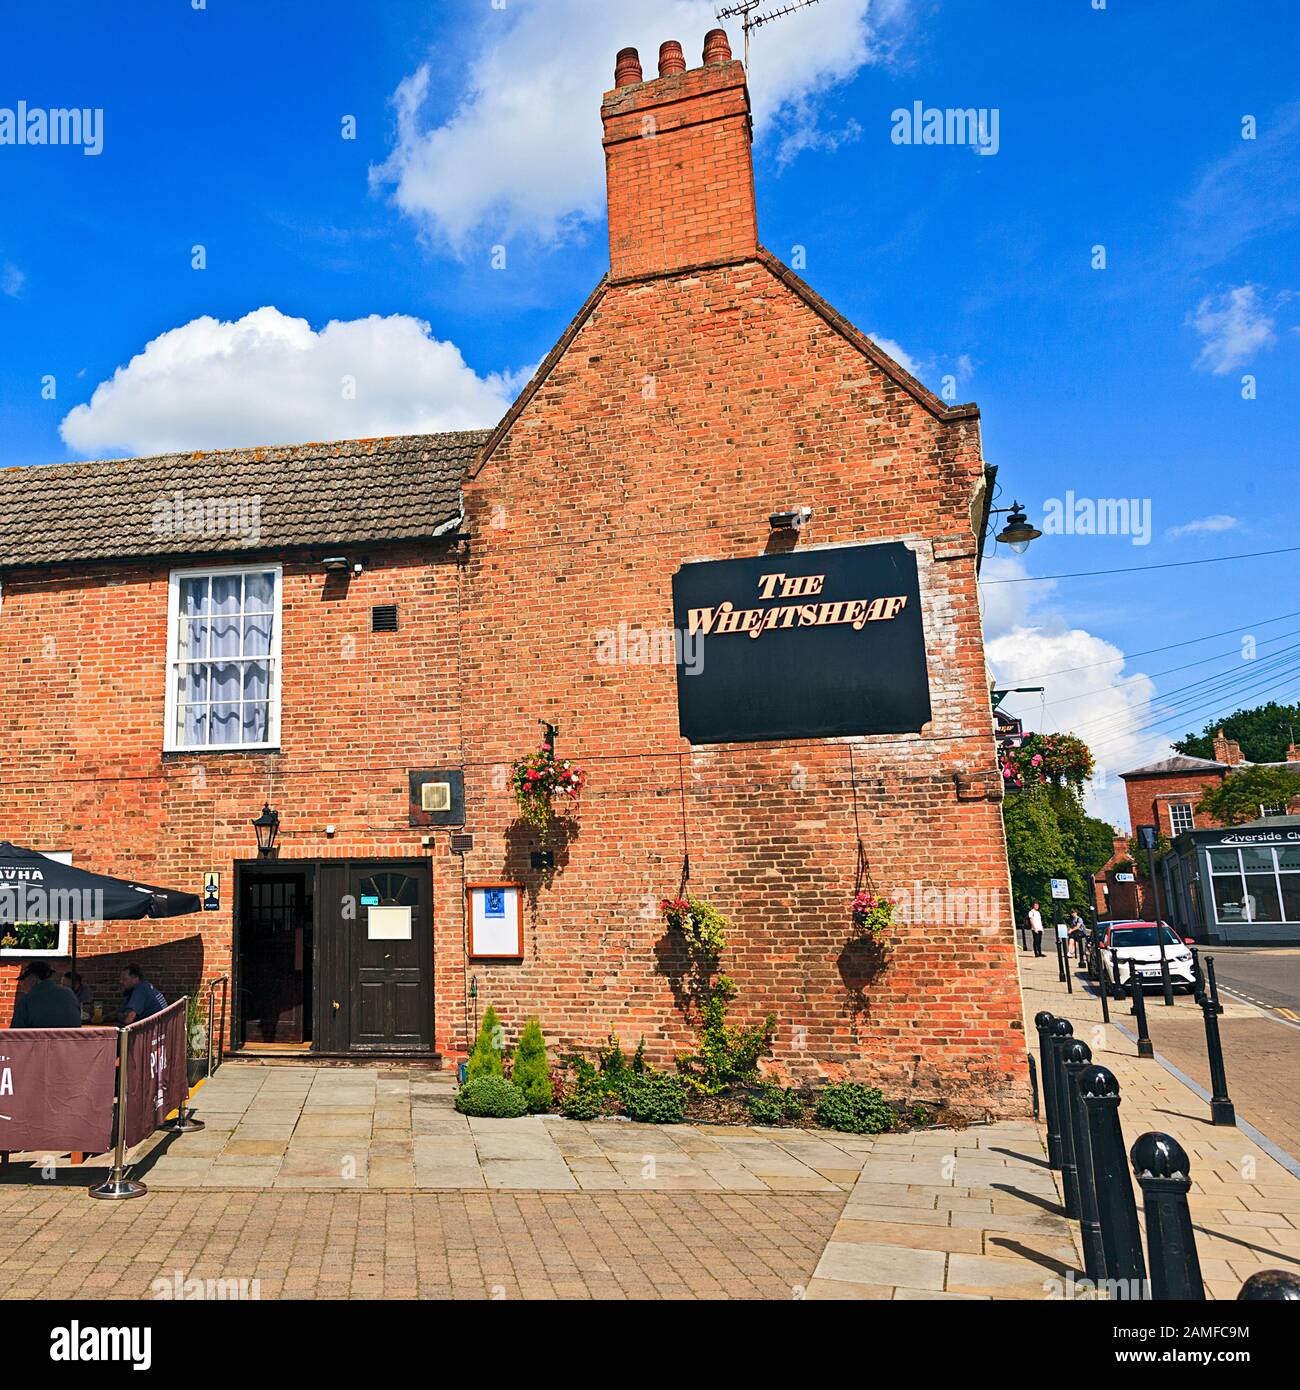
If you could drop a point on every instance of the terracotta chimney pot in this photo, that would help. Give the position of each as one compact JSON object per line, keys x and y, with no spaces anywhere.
{"x":627,"y":68}
{"x":671,"y":59}
{"x":717,"y":47}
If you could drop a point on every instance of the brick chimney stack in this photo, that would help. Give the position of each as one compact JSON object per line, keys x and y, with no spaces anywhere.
{"x":678,"y":163}
{"x":1292,"y":752}
{"x":1227,"y":750}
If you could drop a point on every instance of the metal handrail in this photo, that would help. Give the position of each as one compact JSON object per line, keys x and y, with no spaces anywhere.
{"x":224,"y":982}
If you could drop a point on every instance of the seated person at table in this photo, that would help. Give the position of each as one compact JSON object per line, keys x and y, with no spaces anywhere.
{"x":46,"y":1004}
{"x":78,"y":986}
{"x":140,"y":998}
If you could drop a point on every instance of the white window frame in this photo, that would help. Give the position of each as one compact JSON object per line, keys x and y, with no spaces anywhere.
{"x":1191,"y":812}
{"x":170,"y":742}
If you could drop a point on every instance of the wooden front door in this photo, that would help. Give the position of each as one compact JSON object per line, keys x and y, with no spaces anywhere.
{"x":390,"y":940}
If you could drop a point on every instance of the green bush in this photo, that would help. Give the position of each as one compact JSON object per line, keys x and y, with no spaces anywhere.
{"x":581,"y":1102}
{"x":854,"y":1109}
{"x":771,"y":1105}
{"x":531,"y":1071}
{"x":491,"y":1096}
{"x":654,"y":1098}
{"x":485,"y":1060}
{"x":727,"y":1056}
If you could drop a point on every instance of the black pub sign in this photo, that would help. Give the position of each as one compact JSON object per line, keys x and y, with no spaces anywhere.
{"x":808,"y":645}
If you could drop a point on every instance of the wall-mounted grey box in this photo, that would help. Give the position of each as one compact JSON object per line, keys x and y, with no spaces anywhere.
{"x":442,"y":788}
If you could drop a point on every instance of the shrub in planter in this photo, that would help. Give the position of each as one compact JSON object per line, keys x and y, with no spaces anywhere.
{"x":854,"y":1109}
{"x":770,"y":1105}
{"x":493,"y":1097}
{"x":654,"y":1098}
{"x":485,"y":1060}
{"x":531,"y":1073}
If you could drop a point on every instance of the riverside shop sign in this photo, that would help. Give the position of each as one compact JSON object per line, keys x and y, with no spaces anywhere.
{"x":822,"y":643}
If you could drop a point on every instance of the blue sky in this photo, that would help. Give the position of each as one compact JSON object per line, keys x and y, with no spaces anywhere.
{"x":1120,"y":127}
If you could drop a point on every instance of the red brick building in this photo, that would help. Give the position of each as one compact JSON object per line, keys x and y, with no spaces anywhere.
{"x":1165,"y":794}
{"x":404,"y":612}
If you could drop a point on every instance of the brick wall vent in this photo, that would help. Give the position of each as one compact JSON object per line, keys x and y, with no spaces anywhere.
{"x":383,"y":617}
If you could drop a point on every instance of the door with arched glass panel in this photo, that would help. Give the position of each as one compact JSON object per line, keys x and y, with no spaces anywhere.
{"x":391,"y":957}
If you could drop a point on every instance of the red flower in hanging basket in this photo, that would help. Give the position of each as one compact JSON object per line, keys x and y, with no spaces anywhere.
{"x":874,"y":913}
{"x":538,"y":778}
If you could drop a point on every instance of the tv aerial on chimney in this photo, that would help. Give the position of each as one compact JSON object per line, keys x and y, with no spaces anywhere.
{"x":749,"y":21}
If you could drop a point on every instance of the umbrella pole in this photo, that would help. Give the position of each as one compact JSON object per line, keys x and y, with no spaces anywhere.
{"x":74,"y":948}
{"x":117,"y":1184}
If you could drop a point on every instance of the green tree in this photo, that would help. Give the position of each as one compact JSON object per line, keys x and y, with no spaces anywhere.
{"x":1263,"y":732}
{"x":531,"y":1071}
{"x":1239,"y":796}
{"x":1138,"y":856}
{"x":1035,"y":849}
{"x":489,"y":1047}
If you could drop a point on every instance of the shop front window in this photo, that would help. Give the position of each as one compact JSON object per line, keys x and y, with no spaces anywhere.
{"x":1260,"y":884}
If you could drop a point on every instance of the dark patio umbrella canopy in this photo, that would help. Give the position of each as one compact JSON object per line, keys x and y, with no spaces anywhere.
{"x":26,"y":871}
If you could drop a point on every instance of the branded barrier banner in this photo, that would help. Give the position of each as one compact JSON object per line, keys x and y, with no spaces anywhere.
{"x":156,"y":1080}
{"x":56,"y":1089}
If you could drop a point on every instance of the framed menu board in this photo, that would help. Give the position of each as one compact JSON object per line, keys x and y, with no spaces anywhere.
{"x":496,"y":921}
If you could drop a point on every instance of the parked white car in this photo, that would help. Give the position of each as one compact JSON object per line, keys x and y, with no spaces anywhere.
{"x":1138,"y":949}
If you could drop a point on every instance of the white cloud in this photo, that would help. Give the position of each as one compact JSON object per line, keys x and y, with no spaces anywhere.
{"x":1205,"y":525}
{"x":12,"y":280}
{"x":1029,"y":643}
{"x":519,"y":153}
{"x":1235,"y":326}
{"x":271,"y":379}
{"x":898,"y":353}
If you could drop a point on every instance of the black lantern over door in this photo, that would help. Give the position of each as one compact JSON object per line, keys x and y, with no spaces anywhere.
{"x":267,"y":826}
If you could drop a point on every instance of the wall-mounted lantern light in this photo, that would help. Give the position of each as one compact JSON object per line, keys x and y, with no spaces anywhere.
{"x":267,"y":826}
{"x":1017,"y":533}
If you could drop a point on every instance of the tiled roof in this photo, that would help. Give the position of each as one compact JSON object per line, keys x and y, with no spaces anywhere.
{"x":234,"y":500}
{"x":1178,"y":763}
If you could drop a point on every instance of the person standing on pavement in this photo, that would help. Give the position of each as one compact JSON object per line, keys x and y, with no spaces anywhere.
{"x":1036,"y":926}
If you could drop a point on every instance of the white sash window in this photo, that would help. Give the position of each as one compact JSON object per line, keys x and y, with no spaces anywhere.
{"x":223,"y":659}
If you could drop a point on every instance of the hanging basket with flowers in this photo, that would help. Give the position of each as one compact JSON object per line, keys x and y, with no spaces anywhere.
{"x":703,"y":926}
{"x":539,"y":780}
{"x":872,"y":914}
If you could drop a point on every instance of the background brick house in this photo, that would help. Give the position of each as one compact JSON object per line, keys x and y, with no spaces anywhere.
{"x":701,"y":387}
{"x":1165,"y":794}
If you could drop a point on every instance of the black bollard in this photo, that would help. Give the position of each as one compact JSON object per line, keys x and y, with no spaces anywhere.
{"x":1214,"y":984}
{"x":1076,"y":1055}
{"x":1043,"y":1022}
{"x":1162,"y":1169}
{"x":1271,"y":1284}
{"x":1198,"y":978}
{"x":1116,"y":1210}
{"x":1060,"y":959}
{"x":1060,"y":1037}
{"x":1140,"y":1008}
{"x":1222,"y":1110}
{"x":1065,"y":962}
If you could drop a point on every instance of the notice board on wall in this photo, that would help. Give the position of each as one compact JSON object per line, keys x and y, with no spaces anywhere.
{"x":813,"y":644}
{"x":496,"y":921}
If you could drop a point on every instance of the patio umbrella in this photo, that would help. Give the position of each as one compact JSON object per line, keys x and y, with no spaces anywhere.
{"x":35,"y":887}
